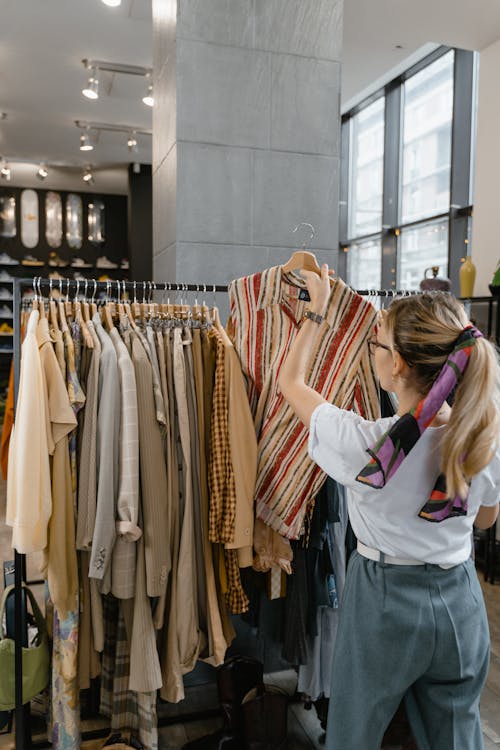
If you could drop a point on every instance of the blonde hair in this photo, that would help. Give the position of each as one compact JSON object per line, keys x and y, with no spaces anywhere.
{"x":423,"y":329}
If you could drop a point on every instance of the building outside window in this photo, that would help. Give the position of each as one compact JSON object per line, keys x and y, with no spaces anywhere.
{"x":364,"y":264}
{"x":367,"y":170}
{"x":422,"y":247}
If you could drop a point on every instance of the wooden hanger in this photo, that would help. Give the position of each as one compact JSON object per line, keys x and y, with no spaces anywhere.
{"x":77,"y":310}
{"x":85,"y":306}
{"x":303,"y":260}
{"x":107,"y":315}
{"x":62,"y":316}
{"x":53,"y":315}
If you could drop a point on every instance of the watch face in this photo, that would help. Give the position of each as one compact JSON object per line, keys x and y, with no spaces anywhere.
{"x":74,"y":221}
{"x":53,"y":219}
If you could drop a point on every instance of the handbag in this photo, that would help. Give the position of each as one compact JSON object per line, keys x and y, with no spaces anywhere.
{"x":35,"y":659}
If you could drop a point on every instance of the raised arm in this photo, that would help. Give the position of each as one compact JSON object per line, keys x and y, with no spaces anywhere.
{"x":300,"y":396}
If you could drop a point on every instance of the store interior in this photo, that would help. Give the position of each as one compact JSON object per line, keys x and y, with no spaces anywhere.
{"x":185,"y":142}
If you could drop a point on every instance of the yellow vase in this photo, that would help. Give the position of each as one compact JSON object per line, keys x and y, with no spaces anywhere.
{"x":467,"y":277}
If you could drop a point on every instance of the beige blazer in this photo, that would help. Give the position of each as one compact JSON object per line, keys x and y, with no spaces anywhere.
{"x":153,"y":476}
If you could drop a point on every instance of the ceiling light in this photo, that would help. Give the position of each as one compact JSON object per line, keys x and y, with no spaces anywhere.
{"x":5,"y":172}
{"x":42,"y":172}
{"x":87,"y":176}
{"x":112,"y":3}
{"x":148,"y":97}
{"x":132,"y":143}
{"x":85,"y":144}
{"x":91,"y":91}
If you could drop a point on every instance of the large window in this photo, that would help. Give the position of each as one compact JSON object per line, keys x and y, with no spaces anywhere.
{"x":406,"y":175}
{"x":363,"y":265}
{"x":426,"y":160}
{"x":367,"y":170}
{"x":422,"y":247}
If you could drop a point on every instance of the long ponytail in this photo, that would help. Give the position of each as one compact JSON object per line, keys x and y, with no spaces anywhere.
{"x":423,"y":329}
{"x":472,"y":432}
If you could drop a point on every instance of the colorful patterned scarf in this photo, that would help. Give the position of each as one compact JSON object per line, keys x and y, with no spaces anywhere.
{"x":391,"y":449}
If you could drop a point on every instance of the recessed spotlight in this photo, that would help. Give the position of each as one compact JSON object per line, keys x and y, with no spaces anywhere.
{"x":91,"y":90}
{"x":5,"y":172}
{"x":85,"y":144}
{"x":112,"y":3}
{"x":42,"y":172}
{"x":87,"y":176}
{"x":148,"y":97}
{"x":132,"y":143}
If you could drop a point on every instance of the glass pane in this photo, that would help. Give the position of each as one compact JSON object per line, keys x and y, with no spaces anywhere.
{"x":420,"y":248}
{"x":367,"y":170}
{"x":74,"y":221}
{"x":364,"y":265}
{"x":428,"y":112}
{"x":7,"y":216}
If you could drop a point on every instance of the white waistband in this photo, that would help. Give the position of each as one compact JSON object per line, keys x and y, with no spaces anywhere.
{"x":377,"y":556}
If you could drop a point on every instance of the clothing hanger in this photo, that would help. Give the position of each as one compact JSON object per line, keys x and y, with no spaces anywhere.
{"x":120,"y":309}
{"x":107,"y":309}
{"x":40,"y":299}
{"x":85,"y":305}
{"x":302,"y":259}
{"x":61,"y":309}
{"x":93,"y":306}
{"x":77,"y":308}
{"x":128,"y":310}
{"x":34,"y":301}
{"x":53,"y":310}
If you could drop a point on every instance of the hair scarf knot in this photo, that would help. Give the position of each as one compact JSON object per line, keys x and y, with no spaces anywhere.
{"x":389,"y":452}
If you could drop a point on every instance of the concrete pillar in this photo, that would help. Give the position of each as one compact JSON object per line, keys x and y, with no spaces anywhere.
{"x":246,"y":133}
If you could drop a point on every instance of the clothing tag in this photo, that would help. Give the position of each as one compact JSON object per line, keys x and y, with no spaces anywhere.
{"x":304,"y":295}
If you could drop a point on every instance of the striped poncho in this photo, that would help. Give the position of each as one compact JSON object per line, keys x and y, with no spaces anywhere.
{"x":266,"y":313}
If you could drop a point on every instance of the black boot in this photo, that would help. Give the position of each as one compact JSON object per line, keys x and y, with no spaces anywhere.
{"x":265,"y":719}
{"x":235,"y":678}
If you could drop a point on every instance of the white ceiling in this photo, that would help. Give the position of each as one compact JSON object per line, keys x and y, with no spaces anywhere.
{"x":42,"y":44}
{"x":373,"y":28}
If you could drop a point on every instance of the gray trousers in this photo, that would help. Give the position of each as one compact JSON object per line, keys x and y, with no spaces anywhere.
{"x":414,"y":632}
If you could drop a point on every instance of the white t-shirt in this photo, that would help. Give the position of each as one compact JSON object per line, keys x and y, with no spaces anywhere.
{"x":387,"y":519}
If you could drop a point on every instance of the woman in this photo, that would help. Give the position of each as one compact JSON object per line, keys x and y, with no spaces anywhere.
{"x":413,"y":622}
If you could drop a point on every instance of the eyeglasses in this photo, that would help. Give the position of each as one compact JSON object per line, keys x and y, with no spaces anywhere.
{"x":373,"y":344}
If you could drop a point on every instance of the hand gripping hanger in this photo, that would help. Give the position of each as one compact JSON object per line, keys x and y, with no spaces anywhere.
{"x":302,"y":259}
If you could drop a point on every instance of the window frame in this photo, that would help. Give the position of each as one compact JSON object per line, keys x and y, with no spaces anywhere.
{"x":461,"y":169}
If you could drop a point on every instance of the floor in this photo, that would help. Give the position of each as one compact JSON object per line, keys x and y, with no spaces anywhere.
{"x":304,"y":731}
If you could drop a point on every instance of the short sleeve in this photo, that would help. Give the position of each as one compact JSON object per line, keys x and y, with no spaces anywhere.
{"x":338,"y":440}
{"x":485,"y":486}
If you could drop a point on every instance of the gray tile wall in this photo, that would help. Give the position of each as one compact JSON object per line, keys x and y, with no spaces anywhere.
{"x":246,"y":133}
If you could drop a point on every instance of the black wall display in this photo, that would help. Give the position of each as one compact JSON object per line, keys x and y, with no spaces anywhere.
{"x":114,"y":247}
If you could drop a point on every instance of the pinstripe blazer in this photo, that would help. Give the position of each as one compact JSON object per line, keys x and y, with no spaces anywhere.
{"x":153,"y":476}
{"x":108,"y":431}
{"x":127,"y":530}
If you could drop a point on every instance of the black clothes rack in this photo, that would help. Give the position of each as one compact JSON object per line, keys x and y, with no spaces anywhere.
{"x":89,"y":288}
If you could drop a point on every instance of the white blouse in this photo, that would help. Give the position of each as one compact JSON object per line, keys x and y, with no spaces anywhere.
{"x":387,"y":519}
